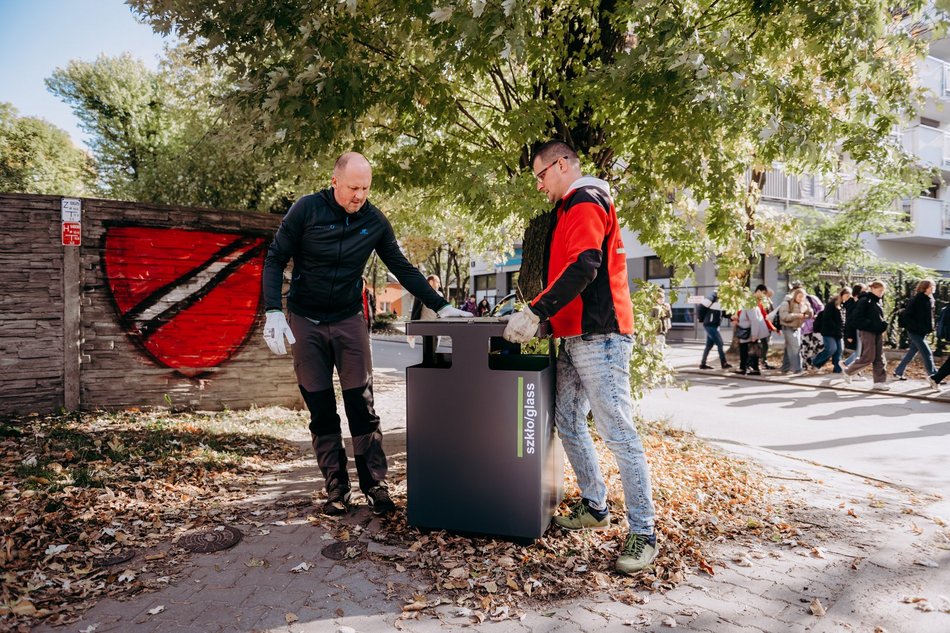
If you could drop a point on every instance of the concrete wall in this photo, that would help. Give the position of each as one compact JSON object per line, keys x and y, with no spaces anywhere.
{"x":158,"y":305}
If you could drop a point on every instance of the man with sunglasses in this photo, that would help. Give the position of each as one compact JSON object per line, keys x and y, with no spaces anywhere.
{"x":586,"y":298}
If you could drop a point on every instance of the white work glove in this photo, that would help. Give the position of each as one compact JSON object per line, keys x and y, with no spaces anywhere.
{"x":275,"y":329}
{"x":522,"y":326}
{"x":448,"y":312}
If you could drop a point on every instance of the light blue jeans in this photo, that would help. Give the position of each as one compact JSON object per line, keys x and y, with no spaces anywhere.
{"x":856,"y":354}
{"x":593,"y":374}
{"x":792,"y":361}
{"x":916,"y":343}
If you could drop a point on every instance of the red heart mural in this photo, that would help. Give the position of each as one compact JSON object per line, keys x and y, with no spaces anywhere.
{"x":188,"y":297}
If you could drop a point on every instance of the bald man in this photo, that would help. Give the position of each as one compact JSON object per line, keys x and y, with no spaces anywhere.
{"x":330,"y":235}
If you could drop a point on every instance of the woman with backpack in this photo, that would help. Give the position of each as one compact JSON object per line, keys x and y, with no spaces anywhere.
{"x":830,"y":324}
{"x":792,"y":315}
{"x":851,"y":338}
{"x":917,"y":319}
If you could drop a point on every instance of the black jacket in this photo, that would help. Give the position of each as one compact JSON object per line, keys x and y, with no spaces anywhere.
{"x":850,"y":332}
{"x":330,"y":248}
{"x":832,"y":323}
{"x":920,"y":315}
{"x":868,"y":314}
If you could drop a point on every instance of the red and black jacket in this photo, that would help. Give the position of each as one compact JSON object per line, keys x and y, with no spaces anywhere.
{"x":585,"y":274}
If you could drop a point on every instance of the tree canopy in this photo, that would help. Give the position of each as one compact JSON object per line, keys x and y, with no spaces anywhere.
{"x":38,"y":157}
{"x":676,"y":103}
{"x":164,"y":135}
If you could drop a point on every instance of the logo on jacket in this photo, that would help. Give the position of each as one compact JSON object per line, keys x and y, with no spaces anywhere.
{"x":189,"y":298}
{"x":364,"y":232}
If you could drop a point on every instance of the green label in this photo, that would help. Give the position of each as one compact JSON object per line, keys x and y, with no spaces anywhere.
{"x":520,"y":416}
{"x":527,"y":417}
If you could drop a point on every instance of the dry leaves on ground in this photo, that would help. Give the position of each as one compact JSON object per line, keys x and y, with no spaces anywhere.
{"x":79,"y":490}
{"x":701,"y":496}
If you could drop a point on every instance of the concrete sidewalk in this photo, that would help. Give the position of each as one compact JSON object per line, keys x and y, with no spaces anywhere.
{"x":859,"y":548}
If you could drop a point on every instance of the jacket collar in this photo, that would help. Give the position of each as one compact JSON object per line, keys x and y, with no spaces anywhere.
{"x":338,"y":208}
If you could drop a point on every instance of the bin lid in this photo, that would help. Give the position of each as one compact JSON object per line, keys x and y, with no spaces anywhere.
{"x":480,"y":326}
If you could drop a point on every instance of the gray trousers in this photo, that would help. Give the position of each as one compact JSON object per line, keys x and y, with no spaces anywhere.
{"x":345,"y":345}
{"x":872,"y":353}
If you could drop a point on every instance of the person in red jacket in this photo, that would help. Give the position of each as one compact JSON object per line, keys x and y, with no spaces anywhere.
{"x":586,"y":298}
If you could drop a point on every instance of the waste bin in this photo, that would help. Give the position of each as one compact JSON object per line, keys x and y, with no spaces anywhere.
{"x":482,"y":456}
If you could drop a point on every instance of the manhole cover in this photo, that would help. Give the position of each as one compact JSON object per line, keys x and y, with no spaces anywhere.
{"x":115,"y":558}
{"x":344,"y":549}
{"x":221,"y":537}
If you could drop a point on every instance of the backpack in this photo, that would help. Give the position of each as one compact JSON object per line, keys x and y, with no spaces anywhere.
{"x":943,"y":325}
{"x":903,"y":317}
{"x":818,"y":322}
{"x":701,"y":312}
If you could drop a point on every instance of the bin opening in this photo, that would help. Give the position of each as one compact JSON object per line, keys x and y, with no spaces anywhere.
{"x":505,"y":356}
{"x":436,"y":352}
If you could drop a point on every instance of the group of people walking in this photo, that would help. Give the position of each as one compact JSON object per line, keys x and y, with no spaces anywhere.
{"x":817,"y":333}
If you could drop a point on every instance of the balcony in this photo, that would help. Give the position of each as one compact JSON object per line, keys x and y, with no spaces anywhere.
{"x":930,"y":223}
{"x":933,"y":75}
{"x":930,"y":144}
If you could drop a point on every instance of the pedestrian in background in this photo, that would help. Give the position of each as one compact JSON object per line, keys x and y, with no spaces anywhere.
{"x":918,"y":321}
{"x":851,"y":339}
{"x":369,"y":305}
{"x":830,"y":325}
{"x":869,"y":320}
{"x":792,"y":313}
{"x":484,"y":308}
{"x":662,"y":312}
{"x":752,"y":325}
{"x":470,"y":305}
{"x":709,"y":313}
{"x":766,"y":295}
{"x":812,"y":341}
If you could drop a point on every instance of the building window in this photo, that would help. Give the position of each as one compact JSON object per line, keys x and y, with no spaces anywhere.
{"x":485,"y":282}
{"x":656,"y":269}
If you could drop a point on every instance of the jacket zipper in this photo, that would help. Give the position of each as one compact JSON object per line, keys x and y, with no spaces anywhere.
{"x":339,"y":256}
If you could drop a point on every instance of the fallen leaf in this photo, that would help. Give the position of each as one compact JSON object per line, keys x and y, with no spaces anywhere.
{"x":817,"y":552}
{"x":127,"y":576}
{"x":53,"y":550}
{"x":669,"y":621}
{"x":156,"y":610}
{"x":256,"y":562}
{"x":290,"y":618}
{"x":816,"y":608}
{"x":415,"y":606}
{"x":304,"y":566}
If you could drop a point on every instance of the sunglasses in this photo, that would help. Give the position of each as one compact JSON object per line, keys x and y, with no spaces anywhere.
{"x":540,"y":175}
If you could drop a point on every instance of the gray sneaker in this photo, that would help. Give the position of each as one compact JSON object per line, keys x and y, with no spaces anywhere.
{"x":637,"y":554}
{"x":581,"y":518}
{"x":933,"y":383}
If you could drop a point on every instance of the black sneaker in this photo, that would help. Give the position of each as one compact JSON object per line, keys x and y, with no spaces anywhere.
{"x":705,"y":366}
{"x":726,"y":366}
{"x":378,"y":499}
{"x":338,"y":501}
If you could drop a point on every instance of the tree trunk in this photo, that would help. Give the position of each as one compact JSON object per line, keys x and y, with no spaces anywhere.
{"x":530,"y":283}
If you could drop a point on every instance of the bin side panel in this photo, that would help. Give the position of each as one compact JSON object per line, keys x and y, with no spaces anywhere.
{"x":479,"y":457}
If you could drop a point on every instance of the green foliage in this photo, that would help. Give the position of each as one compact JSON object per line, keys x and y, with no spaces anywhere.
{"x":163,"y":136}
{"x":38,"y":157}
{"x":672,"y":102}
{"x":648,"y":366}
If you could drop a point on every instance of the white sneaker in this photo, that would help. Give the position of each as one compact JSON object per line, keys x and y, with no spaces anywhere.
{"x":848,"y":378}
{"x":934,"y":385}
{"x":881,"y":386}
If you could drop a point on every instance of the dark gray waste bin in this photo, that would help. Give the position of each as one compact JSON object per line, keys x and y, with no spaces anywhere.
{"x":482,"y":455}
